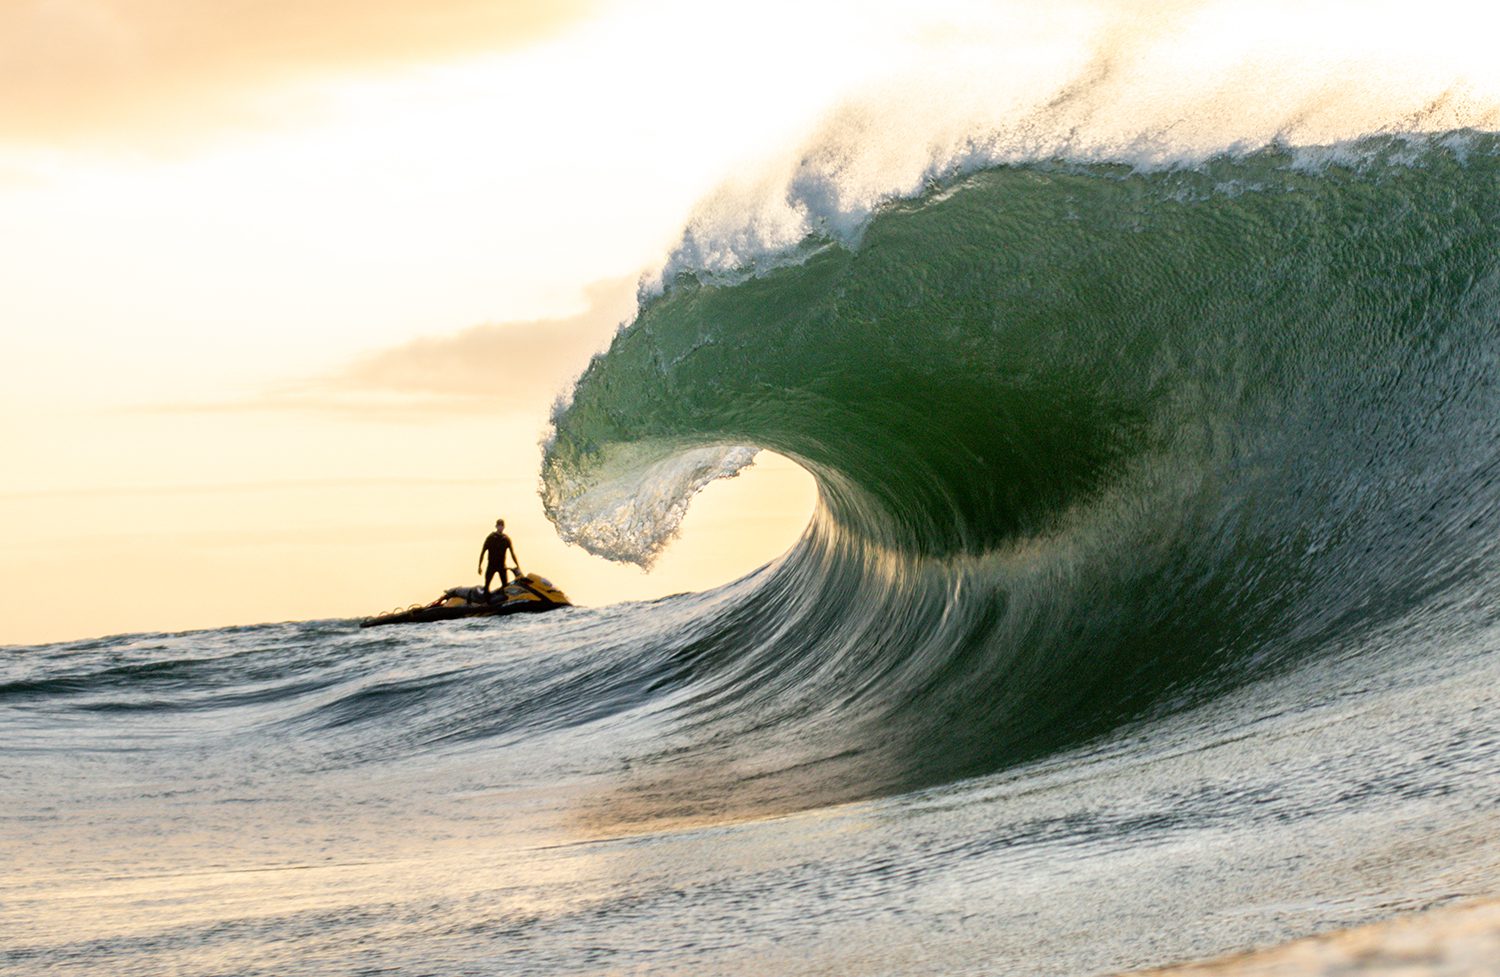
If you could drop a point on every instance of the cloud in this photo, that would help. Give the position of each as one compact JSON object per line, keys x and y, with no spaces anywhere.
{"x":526,"y":363}
{"x":89,"y":70}
{"x":512,"y":367}
{"x":529,"y":361}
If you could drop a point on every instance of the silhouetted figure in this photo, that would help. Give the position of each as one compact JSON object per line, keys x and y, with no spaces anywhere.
{"x":496,"y":544}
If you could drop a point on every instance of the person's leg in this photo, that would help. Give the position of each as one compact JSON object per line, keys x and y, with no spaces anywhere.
{"x":490,"y":575}
{"x":504,"y":575}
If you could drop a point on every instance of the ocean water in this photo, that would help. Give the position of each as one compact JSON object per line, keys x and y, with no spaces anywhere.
{"x":1150,"y":611}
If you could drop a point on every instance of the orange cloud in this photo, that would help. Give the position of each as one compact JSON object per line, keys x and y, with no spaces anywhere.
{"x":85,"y":70}
{"x":511,"y":367}
{"x":528,"y":361}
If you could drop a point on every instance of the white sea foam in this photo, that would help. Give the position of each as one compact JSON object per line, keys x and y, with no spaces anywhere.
{"x":1147,"y":84}
{"x":632,"y":516}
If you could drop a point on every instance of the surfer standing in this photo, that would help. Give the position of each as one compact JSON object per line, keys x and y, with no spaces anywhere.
{"x":496,"y":544}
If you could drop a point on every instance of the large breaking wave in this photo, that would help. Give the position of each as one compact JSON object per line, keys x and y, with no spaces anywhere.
{"x":1091,"y":443}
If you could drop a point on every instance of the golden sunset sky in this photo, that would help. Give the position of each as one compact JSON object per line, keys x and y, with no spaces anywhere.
{"x":289,"y":288}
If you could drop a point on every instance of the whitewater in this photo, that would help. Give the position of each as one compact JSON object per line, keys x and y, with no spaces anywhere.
{"x":1149,"y":610}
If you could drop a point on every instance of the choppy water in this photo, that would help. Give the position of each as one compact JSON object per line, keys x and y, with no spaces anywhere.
{"x":1150,"y":611}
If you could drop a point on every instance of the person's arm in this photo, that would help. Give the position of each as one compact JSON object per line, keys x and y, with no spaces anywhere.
{"x":483,"y":549}
{"x":513,"y":558}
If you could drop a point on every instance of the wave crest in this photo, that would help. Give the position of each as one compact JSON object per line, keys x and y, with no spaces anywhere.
{"x":1088,"y":440}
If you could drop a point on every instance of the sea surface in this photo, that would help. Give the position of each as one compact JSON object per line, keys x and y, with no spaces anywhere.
{"x":1150,"y":611}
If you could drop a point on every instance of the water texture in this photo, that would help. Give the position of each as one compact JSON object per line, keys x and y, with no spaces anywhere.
{"x":1149,"y":611}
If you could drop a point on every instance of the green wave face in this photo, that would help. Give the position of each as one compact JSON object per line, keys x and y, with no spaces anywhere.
{"x":1090,"y":442}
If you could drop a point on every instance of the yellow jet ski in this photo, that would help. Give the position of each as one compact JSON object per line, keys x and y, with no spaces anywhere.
{"x":526,"y":594}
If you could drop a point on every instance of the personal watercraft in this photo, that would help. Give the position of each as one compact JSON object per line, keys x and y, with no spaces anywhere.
{"x":526,"y":594}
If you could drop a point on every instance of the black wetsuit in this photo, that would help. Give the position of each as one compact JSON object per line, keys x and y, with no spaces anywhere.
{"x":495,"y":545}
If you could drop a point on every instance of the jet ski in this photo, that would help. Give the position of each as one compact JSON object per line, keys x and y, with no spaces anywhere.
{"x":526,"y":594}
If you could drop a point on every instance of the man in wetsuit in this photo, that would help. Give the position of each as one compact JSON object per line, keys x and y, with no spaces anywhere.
{"x":496,"y":544}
